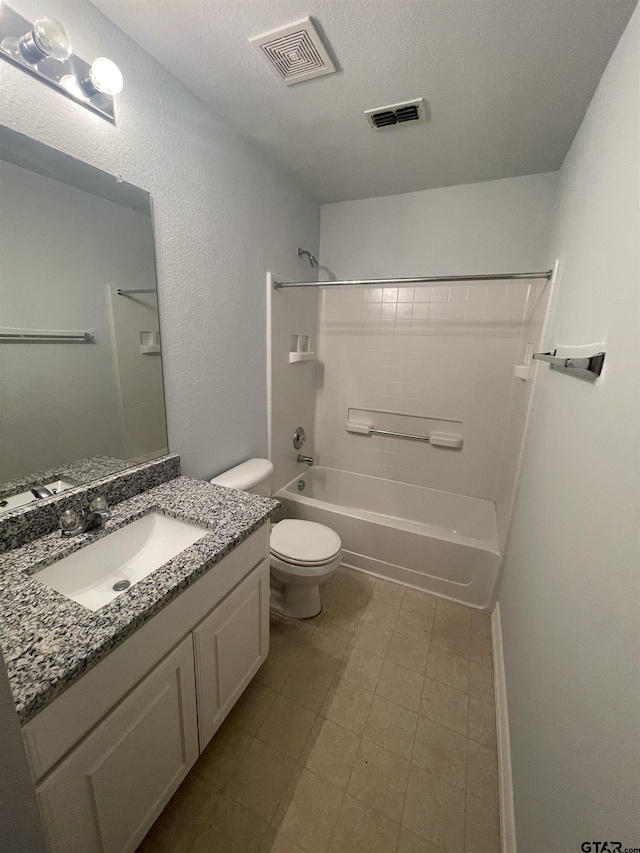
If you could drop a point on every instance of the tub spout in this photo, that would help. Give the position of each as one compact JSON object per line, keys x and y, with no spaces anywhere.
{"x":308,"y":460}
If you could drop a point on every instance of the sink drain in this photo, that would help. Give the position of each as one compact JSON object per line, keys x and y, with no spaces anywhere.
{"x":118,"y":587}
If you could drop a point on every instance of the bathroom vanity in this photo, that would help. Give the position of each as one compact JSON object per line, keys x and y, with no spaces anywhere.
{"x":118,"y":703}
{"x":125,"y":646}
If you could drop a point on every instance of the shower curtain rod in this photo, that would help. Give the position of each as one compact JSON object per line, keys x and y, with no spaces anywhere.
{"x":449,"y":279}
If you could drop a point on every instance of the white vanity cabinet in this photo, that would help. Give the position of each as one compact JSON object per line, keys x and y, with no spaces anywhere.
{"x":109,"y":753}
{"x":105,"y":794}
{"x":229,"y":645}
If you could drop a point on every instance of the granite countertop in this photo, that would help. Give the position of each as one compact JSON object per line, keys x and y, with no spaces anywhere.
{"x":81,"y":471}
{"x":49,"y":641}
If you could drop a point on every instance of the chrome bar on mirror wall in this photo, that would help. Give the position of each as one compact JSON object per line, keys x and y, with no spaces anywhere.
{"x":122,"y":292}
{"x":435,"y":279}
{"x":34,"y":336}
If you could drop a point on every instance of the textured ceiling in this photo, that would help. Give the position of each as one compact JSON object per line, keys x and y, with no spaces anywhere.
{"x":507,"y":83}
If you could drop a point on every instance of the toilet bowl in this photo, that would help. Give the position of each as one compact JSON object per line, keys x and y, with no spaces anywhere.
{"x":303,"y":554}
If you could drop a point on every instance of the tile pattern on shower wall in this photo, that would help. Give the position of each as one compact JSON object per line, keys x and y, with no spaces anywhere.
{"x":444,"y":352}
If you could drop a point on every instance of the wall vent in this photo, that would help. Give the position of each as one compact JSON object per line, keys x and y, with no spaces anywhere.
{"x":396,"y":114}
{"x":295,"y":52}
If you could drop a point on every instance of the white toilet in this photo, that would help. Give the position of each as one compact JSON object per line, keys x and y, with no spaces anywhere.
{"x":303,"y":554}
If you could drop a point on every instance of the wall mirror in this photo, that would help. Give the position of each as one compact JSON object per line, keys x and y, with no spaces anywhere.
{"x":81,"y":390}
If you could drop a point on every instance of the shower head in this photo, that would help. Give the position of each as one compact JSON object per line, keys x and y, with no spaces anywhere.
{"x":312,"y":258}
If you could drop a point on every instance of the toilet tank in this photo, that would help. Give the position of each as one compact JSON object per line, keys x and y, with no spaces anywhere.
{"x":254,"y":476}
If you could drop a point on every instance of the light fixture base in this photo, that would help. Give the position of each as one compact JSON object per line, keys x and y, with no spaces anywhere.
{"x":65,"y":76}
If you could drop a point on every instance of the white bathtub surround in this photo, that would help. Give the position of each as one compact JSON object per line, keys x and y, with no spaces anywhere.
{"x":533,"y":338}
{"x":457,"y":374}
{"x":291,"y":384}
{"x":570,"y":591}
{"x":440,"y":542}
{"x":443,"y":353}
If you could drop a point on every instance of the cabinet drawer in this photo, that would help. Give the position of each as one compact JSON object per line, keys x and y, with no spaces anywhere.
{"x":230,"y":645}
{"x":104,"y":796}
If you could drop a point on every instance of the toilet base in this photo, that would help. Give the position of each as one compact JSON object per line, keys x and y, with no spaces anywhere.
{"x":295,"y":602}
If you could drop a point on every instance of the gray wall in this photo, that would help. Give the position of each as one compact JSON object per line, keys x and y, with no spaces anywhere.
{"x":223,"y":216}
{"x":571,"y":589}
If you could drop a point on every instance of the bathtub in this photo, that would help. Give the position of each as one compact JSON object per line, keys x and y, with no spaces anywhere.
{"x":436,"y":541}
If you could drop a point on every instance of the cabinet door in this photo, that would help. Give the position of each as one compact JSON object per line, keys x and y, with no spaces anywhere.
{"x":230,"y":645}
{"x":106,"y":794}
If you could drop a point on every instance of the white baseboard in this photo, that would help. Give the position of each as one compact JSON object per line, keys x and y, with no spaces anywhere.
{"x":507,"y":815}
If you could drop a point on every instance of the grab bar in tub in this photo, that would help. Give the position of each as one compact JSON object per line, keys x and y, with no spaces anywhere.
{"x":435,"y":438}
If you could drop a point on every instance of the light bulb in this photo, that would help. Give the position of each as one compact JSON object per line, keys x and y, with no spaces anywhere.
{"x":52,"y":38}
{"x":47,"y":40}
{"x":71,"y":84}
{"x":105,"y":77}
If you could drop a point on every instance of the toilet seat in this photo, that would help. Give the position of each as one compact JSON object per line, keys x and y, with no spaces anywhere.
{"x":304,"y":543}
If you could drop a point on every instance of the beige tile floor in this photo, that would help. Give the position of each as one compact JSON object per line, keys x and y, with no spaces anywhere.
{"x":369,"y":729}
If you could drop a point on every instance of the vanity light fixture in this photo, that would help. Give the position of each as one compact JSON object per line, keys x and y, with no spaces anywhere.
{"x":43,"y":49}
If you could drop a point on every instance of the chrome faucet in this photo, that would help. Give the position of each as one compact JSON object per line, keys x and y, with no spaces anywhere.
{"x":41,"y":492}
{"x":307,"y":460}
{"x":73,"y":522}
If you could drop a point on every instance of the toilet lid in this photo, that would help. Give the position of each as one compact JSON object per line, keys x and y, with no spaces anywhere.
{"x":304,"y":542}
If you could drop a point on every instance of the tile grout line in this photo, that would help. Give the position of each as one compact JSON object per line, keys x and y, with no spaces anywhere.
{"x":361,"y":737}
{"x":336,"y":679}
{"x":303,"y":767}
{"x":400,"y":822}
{"x":413,"y":747}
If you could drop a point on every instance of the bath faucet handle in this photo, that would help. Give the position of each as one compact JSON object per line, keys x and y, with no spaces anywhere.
{"x":71,"y":522}
{"x":98,"y":512}
{"x":99,"y":504}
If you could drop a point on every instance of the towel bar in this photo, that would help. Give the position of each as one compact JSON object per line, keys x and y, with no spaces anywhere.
{"x":373,"y":431}
{"x":593,"y":363}
{"x":436,"y":438}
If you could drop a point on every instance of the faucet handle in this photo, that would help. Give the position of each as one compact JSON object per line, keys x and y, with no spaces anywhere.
{"x":99,"y":504}
{"x":70,"y":522}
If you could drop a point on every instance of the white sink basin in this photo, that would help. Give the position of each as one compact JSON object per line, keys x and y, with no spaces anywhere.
{"x":128,"y":555}
{"x":27,"y":497}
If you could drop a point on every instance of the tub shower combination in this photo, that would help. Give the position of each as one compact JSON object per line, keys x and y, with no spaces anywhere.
{"x":432,"y":540}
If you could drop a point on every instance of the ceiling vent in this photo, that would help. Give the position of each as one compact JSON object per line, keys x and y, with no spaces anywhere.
{"x":396,"y":114}
{"x":295,"y":52}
